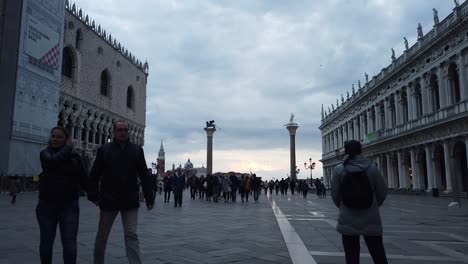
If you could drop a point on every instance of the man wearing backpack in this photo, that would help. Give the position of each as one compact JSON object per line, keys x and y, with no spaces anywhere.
{"x":358,"y":190}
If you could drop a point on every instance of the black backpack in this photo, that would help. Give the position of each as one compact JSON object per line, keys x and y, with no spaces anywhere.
{"x":356,"y":189}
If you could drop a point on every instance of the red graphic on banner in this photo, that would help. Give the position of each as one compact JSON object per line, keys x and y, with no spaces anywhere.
{"x":51,"y":57}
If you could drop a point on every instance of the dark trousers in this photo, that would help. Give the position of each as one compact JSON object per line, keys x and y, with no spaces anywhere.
{"x":256,"y":193}
{"x":167,"y":196}
{"x":13,"y":198}
{"x":193,"y":192}
{"x":233,"y":194}
{"x":67,"y":217}
{"x":374,"y":245}
{"x":178,"y":197}
{"x":304,"y":193}
{"x":247,"y":196}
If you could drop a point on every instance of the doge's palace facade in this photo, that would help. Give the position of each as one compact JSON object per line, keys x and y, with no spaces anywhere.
{"x":101,"y":83}
{"x":412,"y":118}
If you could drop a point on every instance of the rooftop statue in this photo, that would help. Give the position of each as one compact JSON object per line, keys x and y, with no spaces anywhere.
{"x":406,"y":43}
{"x":347,"y":94}
{"x":359,"y":84}
{"x":352,"y":88}
{"x":393,"y":55}
{"x":366,"y":76}
{"x":456,"y":3}
{"x":420,"y":32}
{"x":436,"y":16}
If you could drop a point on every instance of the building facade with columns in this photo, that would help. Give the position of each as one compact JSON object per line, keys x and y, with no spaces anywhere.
{"x":59,"y":67}
{"x":412,"y":118}
{"x":102,"y":82}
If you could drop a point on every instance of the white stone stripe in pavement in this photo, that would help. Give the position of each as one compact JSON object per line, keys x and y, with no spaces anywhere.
{"x":297,"y":250}
{"x":389,"y":256}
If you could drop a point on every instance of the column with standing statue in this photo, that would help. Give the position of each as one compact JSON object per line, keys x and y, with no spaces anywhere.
{"x":292,"y":127}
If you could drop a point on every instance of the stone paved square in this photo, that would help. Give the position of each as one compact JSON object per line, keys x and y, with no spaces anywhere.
{"x":417,"y":229}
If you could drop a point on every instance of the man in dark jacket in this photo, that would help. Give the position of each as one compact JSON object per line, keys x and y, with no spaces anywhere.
{"x":114,"y":188}
{"x":178,"y":184}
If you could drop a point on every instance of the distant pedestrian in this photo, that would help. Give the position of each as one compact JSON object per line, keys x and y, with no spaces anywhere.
{"x":358,"y":190}
{"x":62,"y":176}
{"x":13,"y":189}
{"x":178,"y":185}
{"x":113,"y":186}
{"x":167,"y":180}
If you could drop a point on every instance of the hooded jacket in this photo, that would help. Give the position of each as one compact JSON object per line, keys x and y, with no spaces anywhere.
{"x":352,"y":221}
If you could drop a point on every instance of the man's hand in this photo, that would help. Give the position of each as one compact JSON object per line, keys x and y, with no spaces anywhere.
{"x":150,"y":207}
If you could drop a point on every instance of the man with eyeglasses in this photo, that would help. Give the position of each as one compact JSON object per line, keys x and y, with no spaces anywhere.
{"x":114,"y":187}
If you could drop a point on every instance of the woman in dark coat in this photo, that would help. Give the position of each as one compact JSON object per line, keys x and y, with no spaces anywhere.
{"x":59,"y":184}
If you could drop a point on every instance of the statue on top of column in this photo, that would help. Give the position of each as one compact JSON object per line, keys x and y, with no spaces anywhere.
{"x":291,"y":118}
{"x":420,"y":31}
{"x":406,"y":43}
{"x":210,"y":124}
{"x":436,"y":16}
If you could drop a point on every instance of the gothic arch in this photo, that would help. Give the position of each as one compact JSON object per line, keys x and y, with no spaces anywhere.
{"x":105,"y":84}
{"x":130,"y":97}
{"x":69,"y":62}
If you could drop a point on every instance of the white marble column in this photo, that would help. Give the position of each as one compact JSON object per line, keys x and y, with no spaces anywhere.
{"x":400,"y":170}
{"x":448,"y":166}
{"x":430,"y":167}
{"x":350,"y":132}
{"x":462,"y":75}
{"x":390,"y":172}
{"x":414,"y":170}
{"x":361,"y":127}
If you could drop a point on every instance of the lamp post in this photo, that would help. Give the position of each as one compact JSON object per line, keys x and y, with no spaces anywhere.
{"x":310,"y":167}
{"x":155,"y":167}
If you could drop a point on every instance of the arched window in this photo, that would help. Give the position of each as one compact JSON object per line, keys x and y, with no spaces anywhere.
{"x":419,"y":102}
{"x":79,"y":38}
{"x":130,"y":97}
{"x":105,"y":83}
{"x":404,"y":104}
{"x":67,"y":62}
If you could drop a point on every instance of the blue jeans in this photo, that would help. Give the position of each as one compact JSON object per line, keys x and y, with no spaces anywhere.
{"x":67,"y":217}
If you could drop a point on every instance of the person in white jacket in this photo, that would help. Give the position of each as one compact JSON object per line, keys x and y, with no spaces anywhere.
{"x":354,"y":222}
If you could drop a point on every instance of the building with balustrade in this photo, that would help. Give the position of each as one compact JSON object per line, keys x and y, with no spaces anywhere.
{"x":412,"y":117}
{"x":59,"y":67}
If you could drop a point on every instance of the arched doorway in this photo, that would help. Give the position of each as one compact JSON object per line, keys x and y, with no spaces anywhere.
{"x":460,"y":166}
{"x":439,"y":167}
{"x":422,"y":169}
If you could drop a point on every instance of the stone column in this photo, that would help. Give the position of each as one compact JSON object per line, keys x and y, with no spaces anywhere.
{"x":377,"y":117}
{"x":424,"y":82}
{"x":445,"y":95}
{"x":398,"y":108}
{"x":462,"y":76}
{"x":390,"y":171}
{"x":388,"y":118}
{"x":361,"y":127}
{"x":377,"y":161}
{"x":292,"y":127}
{"x":340,"y":136}
{"x":414,"y":170}
{"x":209,"y":149}
{"x":448,"y":165}
{"x":369,"y":121}
{"x":356,"y":128}
{"x":401,"y":174}
{"x":412,"y":103}
{"x":430,"y":167}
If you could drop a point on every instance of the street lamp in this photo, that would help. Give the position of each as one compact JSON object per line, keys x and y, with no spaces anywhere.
{"x":310,"y":167}
{"x":154,"y":166}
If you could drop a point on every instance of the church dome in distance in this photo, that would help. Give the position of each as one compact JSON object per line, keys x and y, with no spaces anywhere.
{"x":188,"y":165}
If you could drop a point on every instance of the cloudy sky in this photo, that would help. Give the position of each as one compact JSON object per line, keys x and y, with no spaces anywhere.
{"x":249,"y":64}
